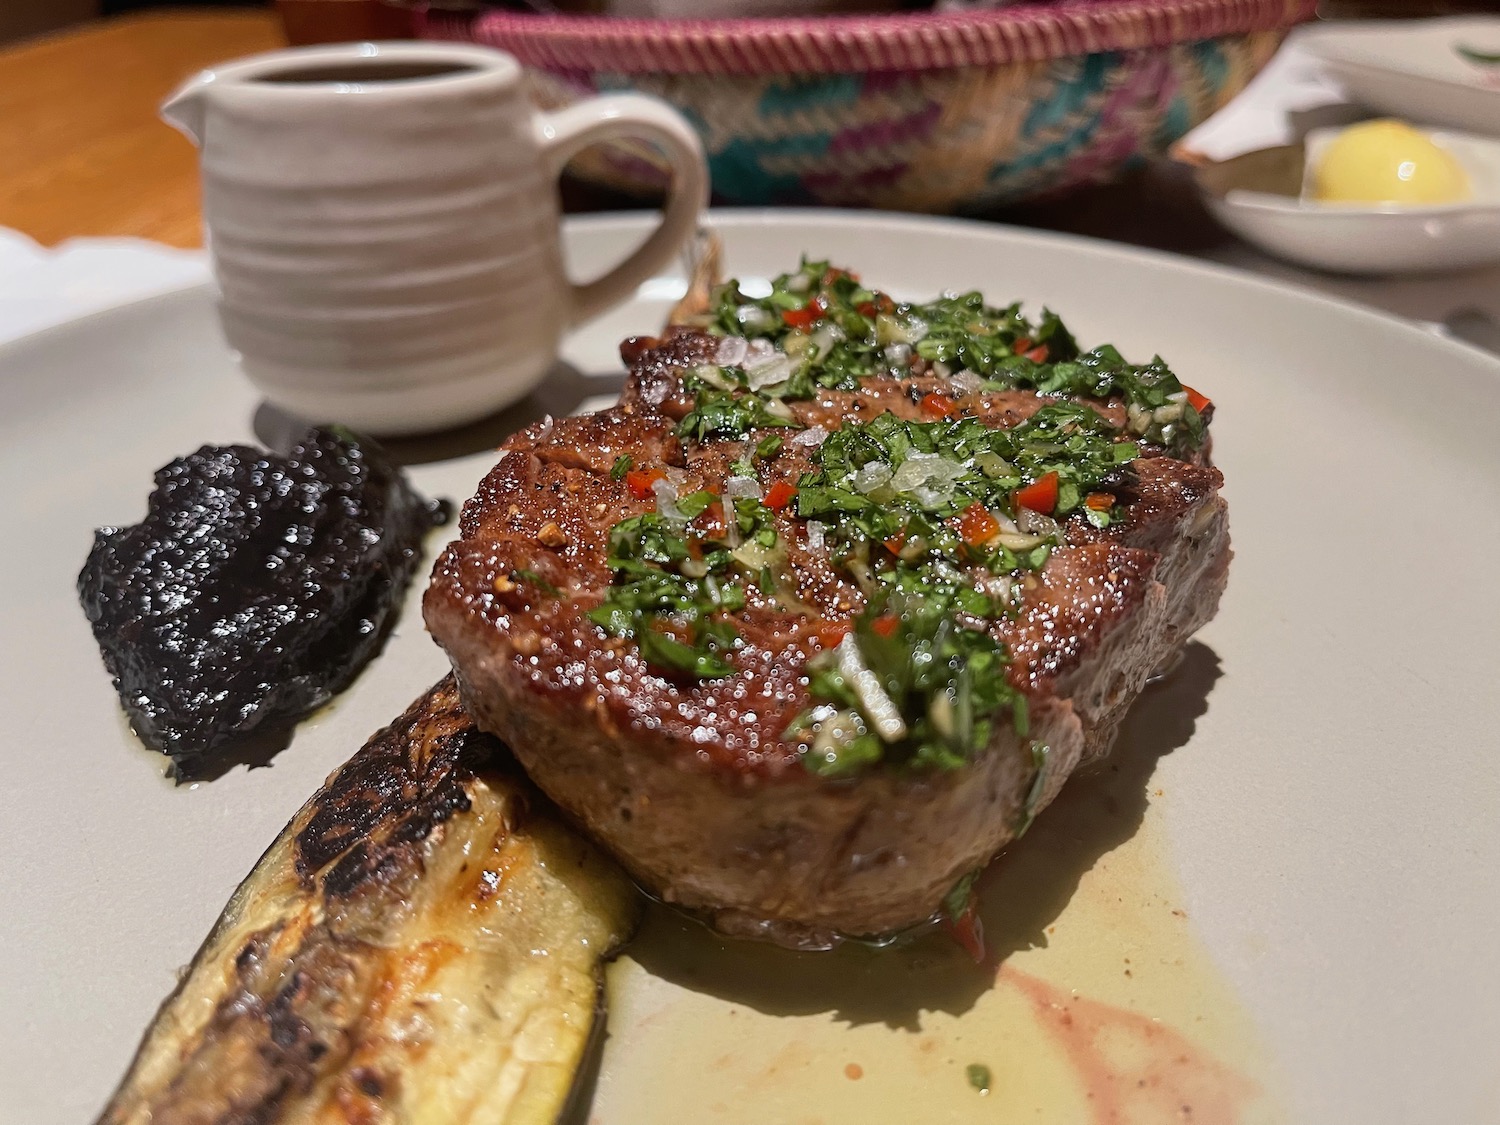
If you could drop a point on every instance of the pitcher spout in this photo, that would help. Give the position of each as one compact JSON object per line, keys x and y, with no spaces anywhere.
{"x":184,"y":110}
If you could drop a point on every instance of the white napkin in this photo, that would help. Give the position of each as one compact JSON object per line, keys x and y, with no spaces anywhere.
{"x":1265,"y":112}
{"x":41,"y":288}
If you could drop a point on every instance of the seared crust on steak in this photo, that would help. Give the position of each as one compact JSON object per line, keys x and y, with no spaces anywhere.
{"x":694,"y":784}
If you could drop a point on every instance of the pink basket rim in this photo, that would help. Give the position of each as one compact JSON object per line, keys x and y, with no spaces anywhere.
{"x":859,"y":43}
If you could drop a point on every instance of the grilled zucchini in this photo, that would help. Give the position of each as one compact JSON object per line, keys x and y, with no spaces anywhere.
{"x":423,"y":943}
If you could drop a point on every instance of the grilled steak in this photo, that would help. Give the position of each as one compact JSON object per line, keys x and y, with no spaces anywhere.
{"x":756,"y":644}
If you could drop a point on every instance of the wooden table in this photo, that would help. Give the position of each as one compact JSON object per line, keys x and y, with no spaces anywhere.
{"x":84,"y":152}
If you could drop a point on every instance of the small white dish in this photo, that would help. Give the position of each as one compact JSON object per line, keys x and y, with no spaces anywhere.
{"x":1415,"y":68}
{"x":1263,"y":197}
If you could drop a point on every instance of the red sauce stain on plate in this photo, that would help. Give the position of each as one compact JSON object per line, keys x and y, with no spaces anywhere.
{"x":1135,"y":1070}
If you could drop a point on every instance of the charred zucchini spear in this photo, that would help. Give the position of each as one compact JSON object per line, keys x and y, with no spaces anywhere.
{"x":419,"y":945}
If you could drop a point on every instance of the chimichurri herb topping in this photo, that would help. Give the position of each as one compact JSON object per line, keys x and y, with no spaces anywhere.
{"x":935,"y":520}
{"x":719,"y":415}
{"x":979,"y":1077}
{"x":960,"y":899}
{"x":909,"y":686}
{"x":877,"y":475}
{"x":828,"y":330}
{"x":678,"y":572}
{"x":536,"y":580}
{"x":1041,"y":758}
{"x":959,"y":915}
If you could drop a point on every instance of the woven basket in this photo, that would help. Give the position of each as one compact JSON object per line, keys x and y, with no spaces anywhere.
{"x":951,"y":113}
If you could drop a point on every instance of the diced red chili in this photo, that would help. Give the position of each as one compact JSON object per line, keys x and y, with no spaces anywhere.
{"x":1040,"y":495}
{"x":968,"y":931}
{"x":833,"y":273}
{"x":896,"y":542}
{"x":805,"y":317}
{"x":639,"y":481}
{"x":710,"y":522}
{"x":1021,"y":346}
{"x":780,"y":495}
{"x":976,"y":525}
{"x":885,"y":625}
{"x":832,"y":633}
{"x":1099,"y":501}
{"x":1198,"y":402}
{"x":936,"y":406}
{"x":1038,"y":354}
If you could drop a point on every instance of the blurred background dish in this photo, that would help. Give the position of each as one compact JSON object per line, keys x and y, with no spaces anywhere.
{"x":1277,"y":199}
{"x":955,"y":112}
{"x":1428,"y":70}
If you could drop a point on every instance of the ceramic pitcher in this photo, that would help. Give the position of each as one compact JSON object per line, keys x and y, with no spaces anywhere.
{"x":384,"y":225}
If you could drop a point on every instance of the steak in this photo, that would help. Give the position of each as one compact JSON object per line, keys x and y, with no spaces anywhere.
{"x":704,"y":774}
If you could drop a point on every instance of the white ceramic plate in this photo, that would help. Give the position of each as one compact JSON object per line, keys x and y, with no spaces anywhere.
{"x":1280,"y":903}
{"x":1412,"y":69}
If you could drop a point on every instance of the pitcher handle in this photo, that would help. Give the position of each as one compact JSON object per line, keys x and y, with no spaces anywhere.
{"x":632,"y":115}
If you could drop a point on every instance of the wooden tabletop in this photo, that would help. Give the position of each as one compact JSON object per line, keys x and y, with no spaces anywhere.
{"x":85,"y":153}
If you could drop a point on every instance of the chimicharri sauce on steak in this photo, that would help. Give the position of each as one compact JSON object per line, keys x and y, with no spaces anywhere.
{"x":815,"y":621}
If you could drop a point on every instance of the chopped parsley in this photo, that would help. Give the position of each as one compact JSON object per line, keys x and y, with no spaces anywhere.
{"x":908,"y":686}
{"x":890,"y":480}
{"x":838,"y":331}
{"x":890,"y":494}
{"x":979,"y":1077}
{"x":536,"y":580}
{"x":722,"y":415}
{"x":675,"y":617}
{"x":937,"y":522}
{"x":963,"y":897}
{"x":675,"y":582}
{"x":1041,"y":758}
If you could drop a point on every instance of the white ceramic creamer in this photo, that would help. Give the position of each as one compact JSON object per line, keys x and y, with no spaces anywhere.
{"x":383,"y":222}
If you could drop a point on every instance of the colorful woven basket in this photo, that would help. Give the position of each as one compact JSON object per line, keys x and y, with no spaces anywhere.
{"x":954,"y":112}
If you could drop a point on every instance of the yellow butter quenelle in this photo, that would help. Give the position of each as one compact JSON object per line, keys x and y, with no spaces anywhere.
{"x":1388,"y":162}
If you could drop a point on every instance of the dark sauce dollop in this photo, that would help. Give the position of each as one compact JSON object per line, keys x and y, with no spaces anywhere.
{"x":256,"y":588}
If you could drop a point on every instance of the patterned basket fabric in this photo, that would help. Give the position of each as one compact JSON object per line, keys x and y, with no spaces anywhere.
{"x":965,"y":114}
